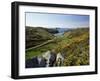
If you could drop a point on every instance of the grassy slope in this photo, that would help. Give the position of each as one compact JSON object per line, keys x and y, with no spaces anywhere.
{"x":36,"y":36}
{"x":73,"y":44}
{"x":76,"y":48}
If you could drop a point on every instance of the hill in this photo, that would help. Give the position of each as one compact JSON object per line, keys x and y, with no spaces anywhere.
{"x":36,"y":36}
{"x":73,"y":45}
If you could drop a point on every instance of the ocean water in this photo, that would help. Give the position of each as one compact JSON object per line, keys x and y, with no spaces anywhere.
{"x":61,"y":31}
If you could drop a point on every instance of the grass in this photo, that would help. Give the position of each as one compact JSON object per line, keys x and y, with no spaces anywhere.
{"x":74,"y":44}
{"x":39,"y":50}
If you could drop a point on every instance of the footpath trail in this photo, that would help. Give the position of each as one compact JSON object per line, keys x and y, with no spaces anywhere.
{"x":41,"y":44}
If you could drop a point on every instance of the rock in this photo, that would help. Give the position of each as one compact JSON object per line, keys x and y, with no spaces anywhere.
{"x":52,"y":59}
{"x":59,"y":59}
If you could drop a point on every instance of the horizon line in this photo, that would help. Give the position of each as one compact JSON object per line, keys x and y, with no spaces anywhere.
{"x":59,"y":27}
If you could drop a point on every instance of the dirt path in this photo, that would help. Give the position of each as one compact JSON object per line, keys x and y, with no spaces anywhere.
{"x":41,"y":44}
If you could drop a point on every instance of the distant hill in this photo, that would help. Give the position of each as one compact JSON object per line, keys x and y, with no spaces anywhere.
{"x":52,"y":30}
{"x":36,"y":36}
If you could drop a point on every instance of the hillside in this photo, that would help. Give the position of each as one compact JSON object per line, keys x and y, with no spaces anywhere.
{"x":73,"y":45}
{"x":36,"y":36}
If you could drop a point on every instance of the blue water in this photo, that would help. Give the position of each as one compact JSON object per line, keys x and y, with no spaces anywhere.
{"x":61,"y":31}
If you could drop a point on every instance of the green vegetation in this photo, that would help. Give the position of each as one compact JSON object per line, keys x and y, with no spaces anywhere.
{"x":73,"y":44}
{"x":39,"y":50}
{"x":36,"y":36}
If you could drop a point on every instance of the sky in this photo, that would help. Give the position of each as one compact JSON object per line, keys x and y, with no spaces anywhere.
{"x":52,"y":20}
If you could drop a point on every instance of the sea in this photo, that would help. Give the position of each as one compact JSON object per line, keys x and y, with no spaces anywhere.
{"x":61,"y":31}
